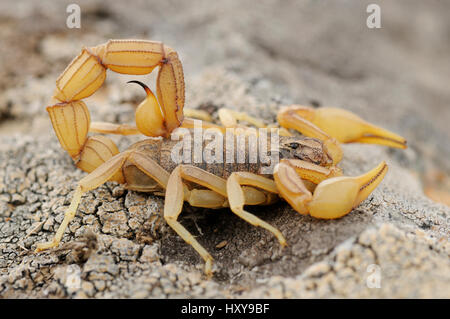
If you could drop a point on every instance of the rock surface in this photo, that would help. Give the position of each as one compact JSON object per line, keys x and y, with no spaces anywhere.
{"x":394,"y":245}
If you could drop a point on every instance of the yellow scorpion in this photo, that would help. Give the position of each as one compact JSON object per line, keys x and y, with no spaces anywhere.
{"x":306,"y":175}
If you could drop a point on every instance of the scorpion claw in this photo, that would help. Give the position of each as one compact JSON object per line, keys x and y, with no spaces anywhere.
{"x":336,"y":197}
{"x":333,"y":198}
{"x":347,"y":127}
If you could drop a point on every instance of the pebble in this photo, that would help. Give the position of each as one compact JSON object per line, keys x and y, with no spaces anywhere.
{"x":222,"y":244}
{"x":18,"y":199}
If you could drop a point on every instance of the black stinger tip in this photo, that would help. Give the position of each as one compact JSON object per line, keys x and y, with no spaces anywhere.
{"x":145,"y":87}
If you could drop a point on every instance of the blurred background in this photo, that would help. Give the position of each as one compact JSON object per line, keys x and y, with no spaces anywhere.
{"x":318,"y":53}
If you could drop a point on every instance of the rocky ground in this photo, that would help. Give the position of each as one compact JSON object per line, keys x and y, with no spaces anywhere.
{"x":242,"y":56}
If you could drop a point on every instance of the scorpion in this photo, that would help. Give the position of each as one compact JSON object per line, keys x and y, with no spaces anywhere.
{"x":306,"y":176}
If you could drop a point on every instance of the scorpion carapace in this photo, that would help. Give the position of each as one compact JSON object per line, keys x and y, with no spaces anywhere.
{"x":305,"y":172}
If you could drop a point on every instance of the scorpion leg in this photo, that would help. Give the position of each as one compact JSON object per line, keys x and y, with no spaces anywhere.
{"x":198,"y":114}
{"x":332,"y":198}
{"x":190,"y":123}
{"x":174,"y":203}
{"x":230,"y":118}
{"x":109,"y":170}
{"x":99,"y":176}
{"x":214,"y":197}
{"x":179,"y":193}
{"x":192,"y":115}
{"x":312,"y":172}
{"x":237,"y":200}
{"x":196,"y":197}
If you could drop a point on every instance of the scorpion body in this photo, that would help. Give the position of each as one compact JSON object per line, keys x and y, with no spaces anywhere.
{"x":161,"y":151}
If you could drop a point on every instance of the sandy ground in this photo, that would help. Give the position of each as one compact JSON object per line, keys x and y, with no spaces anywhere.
{"x":245,"y":56}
